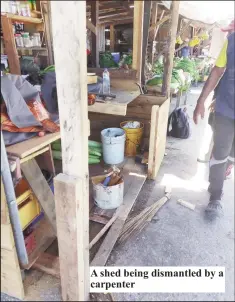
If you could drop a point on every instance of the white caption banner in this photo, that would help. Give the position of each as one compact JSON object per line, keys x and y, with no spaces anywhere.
{"x":149,"y":279}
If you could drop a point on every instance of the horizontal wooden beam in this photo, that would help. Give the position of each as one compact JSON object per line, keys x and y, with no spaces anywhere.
{"x":117,"y":21}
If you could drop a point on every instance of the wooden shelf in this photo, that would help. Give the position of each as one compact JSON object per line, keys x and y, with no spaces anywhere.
{"x":22,"y":18}
{"x":32,"y":48}
{"x":117,"y":106}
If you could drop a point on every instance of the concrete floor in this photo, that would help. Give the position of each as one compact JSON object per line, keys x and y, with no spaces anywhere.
{"x":177,"y":236}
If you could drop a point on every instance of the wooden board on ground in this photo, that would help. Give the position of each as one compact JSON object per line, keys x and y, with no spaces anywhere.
{"x":32,"y":145}
{"x":41,"y":189}
{"x":135,"y":178}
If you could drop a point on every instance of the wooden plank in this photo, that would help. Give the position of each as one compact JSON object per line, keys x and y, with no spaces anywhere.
{"x":10,"y":46}
{"x":11,"y":280}
{"x":152,"y":140}
{"x":46,"y":8}
{"x":108,"y":108}
{"x":32,"y":145}
{"x":91,"y":79}
{"x":112,"y":37}
{"x":92,"y":27}
{"x":138,"y":178}
{"x":137,"y":37}
{"x":48,"y":264}
{"x":174,"y":13}
{"x":41,"y":189}
{"x":23,"y":19}
{"x":5,"y":219}
{"x":69,"y":192}
{"x":117,"y":106}
{"x":23,"y":160}
{"x":7,"y":239}
{"x":153,"y":27}
{"x":71,"y":188}
{"x":160,"y":139}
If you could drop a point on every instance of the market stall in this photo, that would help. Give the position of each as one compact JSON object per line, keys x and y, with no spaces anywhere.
{"x":65,"y":215}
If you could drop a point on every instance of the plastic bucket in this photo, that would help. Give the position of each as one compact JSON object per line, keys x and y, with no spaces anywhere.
{"x":113,"y":142}
{"x":107,"y":197}
{"x":133,"y":138}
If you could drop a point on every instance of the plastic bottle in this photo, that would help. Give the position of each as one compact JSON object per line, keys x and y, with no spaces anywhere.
{"x":106,"y":82}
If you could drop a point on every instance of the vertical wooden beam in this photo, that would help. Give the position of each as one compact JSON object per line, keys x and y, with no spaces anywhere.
{"x":153,"y":21}
{"x":10,"y":46}
{"x":169,"y":56}
{"x":112,"y":38}
{"x":94,"y":38}
{"x":146,"y":22}
{"x":48,"y":31}
{"x":137,"y":37}
{"x":71,"y":187}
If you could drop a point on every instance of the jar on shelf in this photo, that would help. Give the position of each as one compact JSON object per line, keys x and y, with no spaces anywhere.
{"x":13,"y":7}
{"x":38,"y":39}
{"x":26,"y":40}
{"x":18,"y":8}
{"x":28,"y":11}
{"x":23,"y":10}
{"x":19,"y":40}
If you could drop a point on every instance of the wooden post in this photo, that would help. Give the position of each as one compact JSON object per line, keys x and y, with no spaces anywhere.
{"x":46,"y":9}
{"x":168,"y":66}
{"x":137,"y":37}
{"x":94,"y":37}
{"x":146,"y":22}
{"x":10,"y":45}
{"x":71,"y":187}
{"x":112,"y":37}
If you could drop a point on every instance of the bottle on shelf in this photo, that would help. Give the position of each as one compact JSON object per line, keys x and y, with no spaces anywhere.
{"x":106,"y":82}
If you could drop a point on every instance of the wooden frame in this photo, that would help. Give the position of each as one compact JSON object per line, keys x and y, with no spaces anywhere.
{"x":71,"y":187}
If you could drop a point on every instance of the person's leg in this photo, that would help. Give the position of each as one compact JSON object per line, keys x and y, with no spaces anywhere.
{"x":230,"y":163}
{"x":223,"y":142}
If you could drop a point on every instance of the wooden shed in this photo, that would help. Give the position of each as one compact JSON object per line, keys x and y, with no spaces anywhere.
{"x":70,"y":212}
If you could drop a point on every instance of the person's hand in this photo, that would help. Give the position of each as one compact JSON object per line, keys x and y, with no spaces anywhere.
{"x":198,"y":111}
{"x":212,"y":107}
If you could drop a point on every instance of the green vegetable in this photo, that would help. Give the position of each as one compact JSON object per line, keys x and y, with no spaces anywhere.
{"x":57,"y":154}
{"x":93,"y":161}
{"x":94,"y":144}
{"x":94,"y":152}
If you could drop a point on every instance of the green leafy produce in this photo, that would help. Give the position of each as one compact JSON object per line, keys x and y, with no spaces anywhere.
{"x":188,"y":65}
{"x":128,"y":59}
{"x":106,"y":60}
{"x":158,"y":68}
{"x":154,"y":81}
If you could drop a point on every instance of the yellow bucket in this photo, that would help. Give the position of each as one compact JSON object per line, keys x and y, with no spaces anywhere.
{"x":133,"y":138}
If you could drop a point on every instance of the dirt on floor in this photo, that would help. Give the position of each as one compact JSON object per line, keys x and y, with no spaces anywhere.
{"x":177,"y":236}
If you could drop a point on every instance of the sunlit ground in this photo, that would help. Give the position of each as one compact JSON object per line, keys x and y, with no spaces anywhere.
{"x":197,"y":183}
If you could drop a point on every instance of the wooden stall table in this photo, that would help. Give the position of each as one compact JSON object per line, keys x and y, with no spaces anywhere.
{"x":33,"y":153}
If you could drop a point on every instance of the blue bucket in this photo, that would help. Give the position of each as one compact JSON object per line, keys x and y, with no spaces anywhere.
{"x":116,"y":56}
